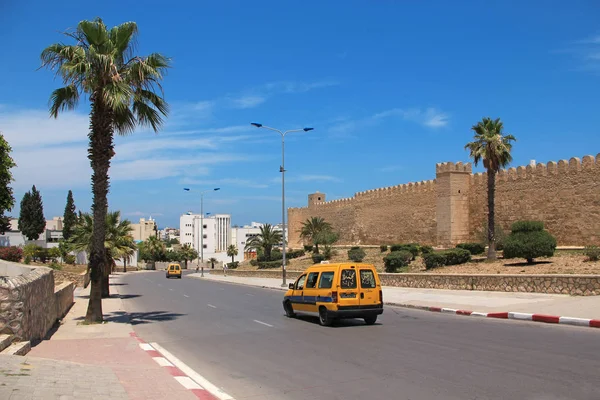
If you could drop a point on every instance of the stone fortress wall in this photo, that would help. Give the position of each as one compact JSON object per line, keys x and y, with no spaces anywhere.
{"x":565,"y":195}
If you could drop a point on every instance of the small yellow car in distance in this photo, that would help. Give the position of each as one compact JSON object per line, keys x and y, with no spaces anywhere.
{"x":336,"y":291}
{"x":174,"y":269}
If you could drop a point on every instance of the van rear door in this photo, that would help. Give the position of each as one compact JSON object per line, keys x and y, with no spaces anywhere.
{"x":369,"y":293}
{"x":348,"y":292}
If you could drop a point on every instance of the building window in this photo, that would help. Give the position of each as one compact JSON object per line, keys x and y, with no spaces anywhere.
{"x":205,"y":236}
{"x":205,"y":226}
{"x":206,"y":246}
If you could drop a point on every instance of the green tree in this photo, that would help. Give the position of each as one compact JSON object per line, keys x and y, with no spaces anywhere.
{"x":124,"y":91}
{"x":69,"y":217}
{"x":31,"y":217}
{"x":327,"y":238}
{"x":212,"y":262}
{"x":188,"y":254}
{"x":7,"y":200}
{"x":232,"y":252}
{"x":265,"y":240}
{"x":311,"y":228}
{"x":491,"y":145}
{"x":157,"y":251}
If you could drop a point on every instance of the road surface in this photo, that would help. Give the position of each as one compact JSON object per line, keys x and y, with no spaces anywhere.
{"x":238,"y":338}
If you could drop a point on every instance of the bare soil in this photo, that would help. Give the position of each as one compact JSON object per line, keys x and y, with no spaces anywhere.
{"x":563,"y":262}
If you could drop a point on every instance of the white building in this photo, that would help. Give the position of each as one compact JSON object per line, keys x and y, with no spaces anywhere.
{"x":216,"y":234}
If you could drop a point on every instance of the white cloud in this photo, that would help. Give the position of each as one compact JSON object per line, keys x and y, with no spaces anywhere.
{"x":248,"y":101}
{"x":298,"y":87}
{"x":225,"y":182}
{"x":142,"y":214}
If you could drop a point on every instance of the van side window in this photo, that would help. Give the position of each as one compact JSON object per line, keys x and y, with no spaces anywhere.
{"x":311,"y":281}
{"x":367,"y":279}
{"x":348,"y":279}
{"x":300,"y":282}
{"x":326,"y":281}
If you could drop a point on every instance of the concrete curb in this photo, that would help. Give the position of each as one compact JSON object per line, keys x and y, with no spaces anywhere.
{"x":549,"y":319}
{"x":183,"y":374}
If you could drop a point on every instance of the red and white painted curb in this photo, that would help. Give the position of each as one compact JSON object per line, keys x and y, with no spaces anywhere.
{"x":183,"y":374}
{"x":549,"y":319}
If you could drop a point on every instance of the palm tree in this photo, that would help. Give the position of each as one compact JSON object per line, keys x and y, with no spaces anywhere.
{"x":312,"y":228}
{"x":122,"y":91}
{"x":212,"y":262}
{"x":265,"y":240}
{"x":118,"y":241}
{"x":493,"y":147}
{"x":156,"y":249}
{"x":232,"y":252}
{"x":188,"y":253}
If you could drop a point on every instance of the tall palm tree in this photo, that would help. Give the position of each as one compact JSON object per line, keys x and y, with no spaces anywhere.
{"x":232,"y":252}
{"x":312,"y":228}
{"x":156,"y":249}
{"x":265,"y":240}
{"x":491,"y":145}
{"x":212,"y":261}
{"x":188,"y":253}
{"x":122,"y":92}
{"x":118,"y":241}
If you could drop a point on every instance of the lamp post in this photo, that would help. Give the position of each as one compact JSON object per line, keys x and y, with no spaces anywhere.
{"x":282,"y":170}
{"x":201,"y":260}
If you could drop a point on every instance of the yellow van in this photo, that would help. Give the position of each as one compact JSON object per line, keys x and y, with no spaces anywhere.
{"x":174,"y":269}
{"x":336,"y":291}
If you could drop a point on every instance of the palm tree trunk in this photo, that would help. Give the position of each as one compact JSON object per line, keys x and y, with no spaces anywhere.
{"x":491,"y":214}
{"x":316,"y":248}
{"x":124,"y":264}
{"x":100,"y":152}
{"x":106,"y":275}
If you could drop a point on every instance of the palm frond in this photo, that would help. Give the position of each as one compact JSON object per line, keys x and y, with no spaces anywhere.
{"x":65,"y":98}
{"x":123,"y":39}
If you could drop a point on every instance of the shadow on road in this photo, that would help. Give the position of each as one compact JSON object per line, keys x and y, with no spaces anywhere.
{"x":340,"y":323}
{"x":138,"y":318}
{"x":129,"y":296}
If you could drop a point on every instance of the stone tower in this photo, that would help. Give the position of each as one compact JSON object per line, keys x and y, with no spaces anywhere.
{"x":452,"y":182}
{"x":315,"y":198}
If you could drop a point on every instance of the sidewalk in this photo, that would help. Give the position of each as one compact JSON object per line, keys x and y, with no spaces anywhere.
{"x":103,"y":361}
{"x":479,"y":301}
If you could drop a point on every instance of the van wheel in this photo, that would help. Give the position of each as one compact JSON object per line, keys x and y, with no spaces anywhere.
{"x":371,"y":319}
{"x":324,"y":319}
{"x":289,"y":310}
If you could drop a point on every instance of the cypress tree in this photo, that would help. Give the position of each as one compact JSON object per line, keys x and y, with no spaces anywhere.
{"x":31,"y":219}
{"x":69,"y":217}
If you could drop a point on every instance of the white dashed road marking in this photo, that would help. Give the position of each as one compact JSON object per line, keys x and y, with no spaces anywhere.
{"x":263,"y":323}
{"x":211,"y":306}
{"x":185,"y":295}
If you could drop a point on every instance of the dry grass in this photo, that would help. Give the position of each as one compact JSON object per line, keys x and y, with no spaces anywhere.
{"x":564,"y":262}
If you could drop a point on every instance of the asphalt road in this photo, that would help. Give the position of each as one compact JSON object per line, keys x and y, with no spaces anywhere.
{"x":238,"y":338}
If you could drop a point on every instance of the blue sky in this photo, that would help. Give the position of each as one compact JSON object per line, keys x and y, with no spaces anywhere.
{"x":391,"y":88}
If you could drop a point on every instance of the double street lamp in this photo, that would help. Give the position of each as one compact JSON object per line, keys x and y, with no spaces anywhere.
{"x":202,"y":220}
{"x":282,"y":170}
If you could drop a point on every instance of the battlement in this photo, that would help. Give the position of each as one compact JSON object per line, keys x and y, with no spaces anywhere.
{"x":402,"y":188}
{"x":441,"y":168}
{"x":572,"y":166}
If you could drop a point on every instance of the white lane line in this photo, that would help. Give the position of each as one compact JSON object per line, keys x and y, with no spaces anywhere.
{"x":163,"y":362}
{"x":187,"y":382}
{"x":211,"y":306}
{"x":199,"y":379}
{"x":170,"y":289}
{"x":185,"y":295}
{"x":263,"y":323}
{"x":160,"y":284}
{"x":146,"y":347}
{"x":248,"y":294}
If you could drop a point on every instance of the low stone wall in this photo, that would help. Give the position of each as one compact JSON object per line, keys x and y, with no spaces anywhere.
{"x":63,"y":297}
{"x":578,"y":285}
{"x":29,"y":304}
{"x":81,"y":279}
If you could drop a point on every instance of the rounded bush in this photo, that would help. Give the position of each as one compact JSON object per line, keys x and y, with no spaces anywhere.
{"x":592,"y":253}
{"x":12,"y":253}
{"x":434,"y":260}
{"x":412,"y":248}
{"x":397,"y":259}
{"x":457,"y":256}
{"x":356,"y":254}
{"x":474,"y":248}
{"x":527,"y":226}
{"x":308,"y":248}
{"x":317,"y":258}
{"x":529,"y":245}
{"x":426,"y":250}
{"x":269,"y":264}
{"x":254,"y":262}
{"x":383,"y":248}
{"x":233,"y":265}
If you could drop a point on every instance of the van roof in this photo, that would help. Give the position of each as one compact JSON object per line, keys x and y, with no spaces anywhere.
{"x":342,"y":264}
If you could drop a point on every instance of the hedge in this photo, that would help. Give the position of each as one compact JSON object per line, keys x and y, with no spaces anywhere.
{"x":474,"y":248}
{"x":434,"y":260}
{"x":11,"y":253}
{"x":397,"y":259}
{"x":413,"y":248}
{"x":457,"y":256}
{"x":269,"y":264}
{"x":317,"y":258}
{"x":233,"y":265}
{"x":426,"y":250}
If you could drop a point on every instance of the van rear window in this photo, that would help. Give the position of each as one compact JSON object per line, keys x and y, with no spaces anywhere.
{"x":367,"y":279}
{"x":348,"y":279}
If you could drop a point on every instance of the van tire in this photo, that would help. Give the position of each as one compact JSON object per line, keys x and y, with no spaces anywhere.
{"x":371,"y":319}
{"x":289,"y":310}
{"x":324,"y":318}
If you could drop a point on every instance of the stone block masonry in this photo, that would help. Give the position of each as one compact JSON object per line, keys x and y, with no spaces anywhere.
{"x":453,"y":208}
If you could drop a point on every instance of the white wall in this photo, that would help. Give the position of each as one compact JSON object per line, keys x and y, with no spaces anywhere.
{"x":216,"y":231}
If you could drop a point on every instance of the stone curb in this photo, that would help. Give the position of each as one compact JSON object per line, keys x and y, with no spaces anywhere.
{"x":206,"y":391}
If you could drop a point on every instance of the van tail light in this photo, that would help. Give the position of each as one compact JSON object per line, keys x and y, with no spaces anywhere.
{"x":334,"y":297}
{"x":381,"y":296}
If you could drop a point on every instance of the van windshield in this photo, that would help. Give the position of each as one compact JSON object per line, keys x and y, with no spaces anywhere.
{"x":367,"y":279}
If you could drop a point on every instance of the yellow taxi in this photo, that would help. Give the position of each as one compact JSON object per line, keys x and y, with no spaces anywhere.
{"x":336,"y":291}
{"x":174,"y":269}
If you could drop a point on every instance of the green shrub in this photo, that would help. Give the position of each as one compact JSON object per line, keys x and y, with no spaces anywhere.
{"x":11,"y":253}
{"x":233,"y":265}
{"x":317,"y":258}
{"x":27,"y":260}
{"x":254,"y":262}
{"x":55,"y":265}
{"x":456,"y":256}
{"x":412,"y":248}
{"x":70,"y":259}
{"x":329,"y":252}
{"x":294,"y":254}
{"x":397,"y":259}
{"x":308,"y":248}
{"x":434,"y":260}
{"x":499,"y":235}
{"x":356,"y":254}
{"x":383,"y":248}
{"x":529,"y":240}
{"x":474,"y":248}
{"x":592,"y":253}
{"x":41,"y":254}
{"x":426,"y":250}
{"x":269,"y":264}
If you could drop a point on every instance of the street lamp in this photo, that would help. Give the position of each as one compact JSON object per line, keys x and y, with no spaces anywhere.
{"x":282,"y":170}
{"x":202,"y":220}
